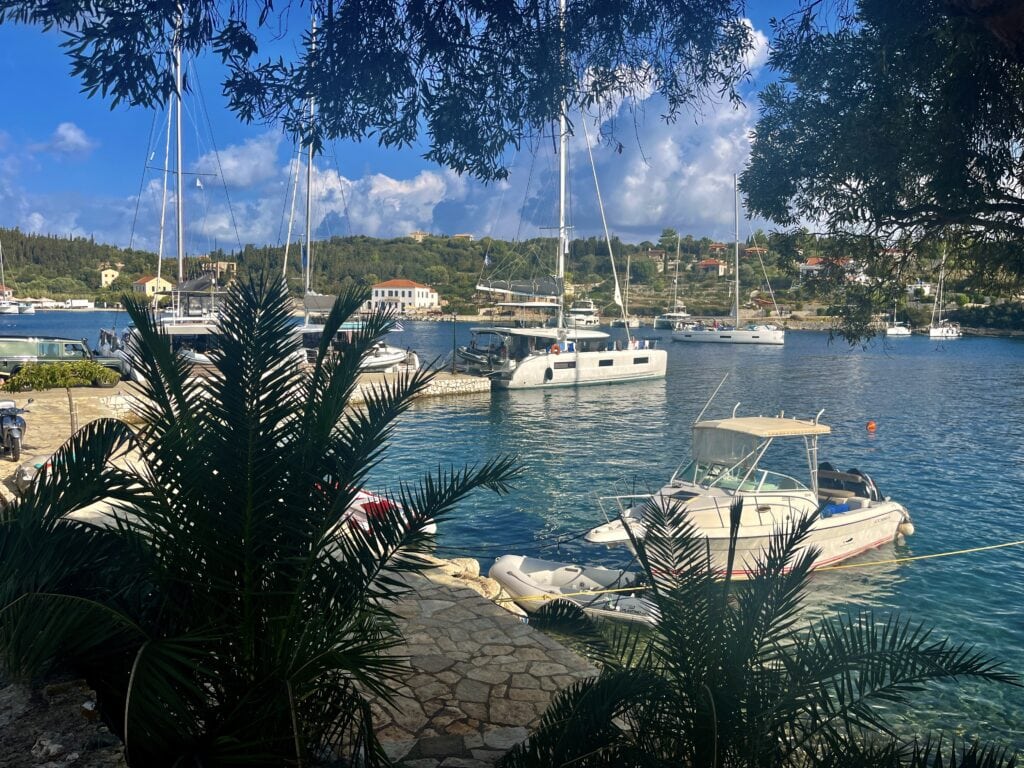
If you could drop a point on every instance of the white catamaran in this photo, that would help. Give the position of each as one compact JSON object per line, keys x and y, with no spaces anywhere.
{"x":521,"y":358}
{"x":724,"y":333}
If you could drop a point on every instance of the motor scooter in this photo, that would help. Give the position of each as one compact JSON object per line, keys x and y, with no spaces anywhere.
{"x":12,"y":428}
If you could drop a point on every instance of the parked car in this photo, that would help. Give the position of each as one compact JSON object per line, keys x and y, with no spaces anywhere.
{"x":16,"y":351}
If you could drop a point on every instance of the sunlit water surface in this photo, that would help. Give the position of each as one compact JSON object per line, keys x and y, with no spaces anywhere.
{"x":950,"y":418}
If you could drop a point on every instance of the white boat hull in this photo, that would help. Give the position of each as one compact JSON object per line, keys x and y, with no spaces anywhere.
{"x":599,"y":592}
{"x":838,"y":536}
{"x":26,"y":309}
{"x":897,"y":331}
{"x":8,"y":309}
{"x":758,"y":335}
{"x":572,"y":369}
{"x":944,"y":332}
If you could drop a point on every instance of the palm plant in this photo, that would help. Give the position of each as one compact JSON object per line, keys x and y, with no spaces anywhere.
{"x":220,"y":603}
{"x":731,"y":675}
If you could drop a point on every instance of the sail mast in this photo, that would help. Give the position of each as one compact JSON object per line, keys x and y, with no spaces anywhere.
{"x":736,"y":203}
{"x":179,"y":185}
{"x":563,"y":166}
{"x":309,"y":172}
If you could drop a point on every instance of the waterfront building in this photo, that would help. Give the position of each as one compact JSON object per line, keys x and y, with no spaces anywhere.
{"x":404,"y":297}
{"x":148,"y":285}
{"x":107,"y":276}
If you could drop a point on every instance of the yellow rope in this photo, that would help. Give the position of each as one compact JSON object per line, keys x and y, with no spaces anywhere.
{"x":893,"y":561}
{"x":921,"y":557}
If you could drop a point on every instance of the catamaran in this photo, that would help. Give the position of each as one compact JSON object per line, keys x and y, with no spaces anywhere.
{"x":725,"y":465}
{"x":724,"y":333}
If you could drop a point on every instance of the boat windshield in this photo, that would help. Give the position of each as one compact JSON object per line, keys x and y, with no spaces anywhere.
{"x":731,"y":478}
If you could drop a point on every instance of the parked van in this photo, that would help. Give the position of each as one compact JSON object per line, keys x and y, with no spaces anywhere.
{"x":16,"y":351}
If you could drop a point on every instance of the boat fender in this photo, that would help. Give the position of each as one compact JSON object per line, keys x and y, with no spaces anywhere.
{"x":906,"y":526}
{"x":548,"y":375}
{"x":555,"y":349}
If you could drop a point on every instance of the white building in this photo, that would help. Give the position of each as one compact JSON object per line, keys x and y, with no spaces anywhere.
{"x":404,"y":296}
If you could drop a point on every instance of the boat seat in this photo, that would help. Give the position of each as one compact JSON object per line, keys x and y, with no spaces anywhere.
{"x":835,"y":493}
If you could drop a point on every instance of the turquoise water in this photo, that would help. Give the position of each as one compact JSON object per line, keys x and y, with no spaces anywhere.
{"x":950,"y":418}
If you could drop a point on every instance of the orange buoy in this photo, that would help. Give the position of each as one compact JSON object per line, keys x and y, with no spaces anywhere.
{"x":872,"y":426}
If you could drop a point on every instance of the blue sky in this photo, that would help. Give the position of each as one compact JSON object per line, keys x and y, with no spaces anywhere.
{"x":69,"y":165}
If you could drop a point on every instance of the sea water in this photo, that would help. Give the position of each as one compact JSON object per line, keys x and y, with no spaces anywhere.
{"x":948,"y":446}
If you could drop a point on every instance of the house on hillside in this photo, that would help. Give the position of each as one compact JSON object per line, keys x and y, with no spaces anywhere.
{"x":147,"y":285}
{"x":463,"y":236}
{"x":419,"y":236}
{"x":404,"y":297}
{"x":107,"y":276}
{"x":715,"y":267}
{"x":6,"y":293}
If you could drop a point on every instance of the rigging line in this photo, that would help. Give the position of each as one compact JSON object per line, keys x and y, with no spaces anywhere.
{"x":216,"y":155}
{"x":344,"y":197}
{"x":604,"y":223}
{"x":764,"y":270}
{"x":291,"y":216}
{"x":284,"y":202}
{"x":142,"y":181}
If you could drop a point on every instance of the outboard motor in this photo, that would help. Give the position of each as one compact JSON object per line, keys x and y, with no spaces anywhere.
{"x":873,"y":492}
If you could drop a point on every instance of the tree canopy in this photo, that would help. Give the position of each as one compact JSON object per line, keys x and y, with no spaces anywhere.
{"x":474,"y":77}
{"x":898,"y":123}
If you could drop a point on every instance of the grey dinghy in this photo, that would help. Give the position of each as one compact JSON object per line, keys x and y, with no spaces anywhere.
{"x":532,"y":582}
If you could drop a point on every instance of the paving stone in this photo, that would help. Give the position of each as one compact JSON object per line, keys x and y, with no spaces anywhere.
{"x":432,"y":663}
{"x":477,"y":710}
{"x":489,"y":756}
{"x":449,"y":677}
{"x":427,"y":762}
{"x":497,"y":650}
{"x":529,"y":694}
{"x":407,"y":713}
{"x":431,"y":606}
{"x":396,"y":750}
{"x":474,"y":740}
{"x":472,"y":690}
{"x":462,"y":727}
{"x":490,"y":675}
{"x":508,"y":712}
{"x":504,"y":738}
{"x":442,"y":747}
{"x":464,"y":762}
{"x":532,"y":653}
{"x":547,"y":669}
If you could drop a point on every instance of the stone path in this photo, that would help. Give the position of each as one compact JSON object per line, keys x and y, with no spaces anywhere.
{"x":480,"y":679}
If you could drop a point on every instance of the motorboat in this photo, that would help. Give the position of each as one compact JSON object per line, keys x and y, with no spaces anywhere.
{"x":582,"y":314}
{"x":897,"y":330}
{"x":367,"y":505}
{"x":672,"y":319}
{"x":520,"y":358}
{"x":725,"y":466}
{"x":599,"y":592}
{"x":26,"y":308}
{"x":381,"y":357}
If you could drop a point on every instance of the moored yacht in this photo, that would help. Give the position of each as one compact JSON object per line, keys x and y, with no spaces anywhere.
{"x":582,"y":314}
{"x":518,"y":358}
{"x":725,"y":465}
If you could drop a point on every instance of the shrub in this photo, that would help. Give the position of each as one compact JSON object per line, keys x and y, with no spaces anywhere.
{"x":81,"y":373}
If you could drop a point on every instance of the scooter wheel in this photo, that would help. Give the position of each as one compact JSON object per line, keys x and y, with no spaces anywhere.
{"x":15,"y":448}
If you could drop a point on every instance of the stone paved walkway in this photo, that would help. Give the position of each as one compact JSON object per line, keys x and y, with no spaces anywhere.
{"x":481,"y":678}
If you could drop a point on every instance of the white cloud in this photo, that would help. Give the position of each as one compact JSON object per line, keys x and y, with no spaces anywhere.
{"x":69,"y":139}
{"x":757,"y":56}
{"x":243,"y":165}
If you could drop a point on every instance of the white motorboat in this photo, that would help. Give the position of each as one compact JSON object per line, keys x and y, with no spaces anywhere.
{"x":725,"y":466}
{"x":367,"y":505}
{"x":582,"y":314}
{"x":380,"y":358}
{"x":25,"y":308}
{"x":897,"y":330}
{"x":520,"y":358}
{"x":599,"y":592}
{"x":942,"y":328}
{"x":736,"y":332}
{"x":670,"y":320}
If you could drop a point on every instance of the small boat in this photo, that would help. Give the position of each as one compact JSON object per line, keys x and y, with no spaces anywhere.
{"x":367,"y":504}
{"x":725,"y":465}
{"x":599,"y":592}
{"x":897,"y":330}
{"x":940,"y":327}
{"x":24,"y":308}
{"x":582,"y":314}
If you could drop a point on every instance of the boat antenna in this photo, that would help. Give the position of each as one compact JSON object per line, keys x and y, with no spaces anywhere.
{"x":604,"y":223}
{"x":708,"y":403}
{"x":563,"y":169}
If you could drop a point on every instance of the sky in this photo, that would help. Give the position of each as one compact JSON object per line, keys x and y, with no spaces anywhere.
{"x":72,"y":166}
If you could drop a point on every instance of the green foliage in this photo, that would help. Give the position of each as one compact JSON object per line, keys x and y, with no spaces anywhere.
{"x":81,"y":373}
{"x":476,"y":78}
{"x":897,"y":121}
{"x":226,"y":609}
{"x":732,"y":675}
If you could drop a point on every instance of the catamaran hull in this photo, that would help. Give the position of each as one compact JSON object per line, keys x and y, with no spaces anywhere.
{"x":573,"y":369}
{"x":775,"y":336}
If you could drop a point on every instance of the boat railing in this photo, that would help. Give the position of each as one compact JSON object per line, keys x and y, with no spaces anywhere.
{"x":614,"y":507}
{"x":723,"y":505}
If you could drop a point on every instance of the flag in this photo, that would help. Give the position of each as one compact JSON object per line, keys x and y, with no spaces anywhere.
{"x":618,"y":294}
{"x":199,"y":183}
{"x":487,"y":259}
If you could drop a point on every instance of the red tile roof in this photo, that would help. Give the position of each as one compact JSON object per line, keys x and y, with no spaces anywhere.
{"x":399,"y":283}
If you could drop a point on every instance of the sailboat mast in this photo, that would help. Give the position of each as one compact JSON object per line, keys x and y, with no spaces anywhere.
{"x":179,"y":184}
{"x":563,"y":168}
{"x":309,"y":173}
{"x":736,"y":203}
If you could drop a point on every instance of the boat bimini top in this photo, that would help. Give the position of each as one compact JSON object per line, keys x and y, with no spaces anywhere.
{"x":551,"y":334}
{"x":726,"y":453}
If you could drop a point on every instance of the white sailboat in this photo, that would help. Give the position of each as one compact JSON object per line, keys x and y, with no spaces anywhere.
{"x":627,"y":320}
{"x":754,"y":333}
{"x":897,"y":329}
{"x":941,"y":328}
{"x":7,"y":307}
{"x":672,"y":318}
{"x":525,"y":358}
{"x":382,"y":357}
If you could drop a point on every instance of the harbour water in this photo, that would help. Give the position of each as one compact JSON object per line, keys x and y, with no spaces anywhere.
{"x":948,"y":445}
